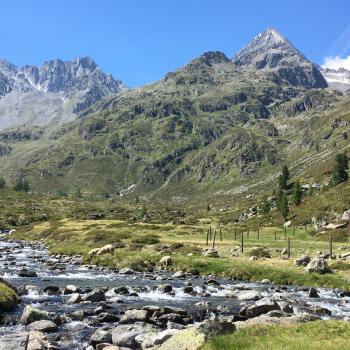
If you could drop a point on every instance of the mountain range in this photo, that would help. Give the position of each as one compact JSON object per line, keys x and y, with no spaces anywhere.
{"x":54,"y":93}
{"x":215,"y":128}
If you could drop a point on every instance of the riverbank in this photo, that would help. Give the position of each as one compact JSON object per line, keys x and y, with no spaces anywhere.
{"x":70,"y":305}
{"x":141,"y":246}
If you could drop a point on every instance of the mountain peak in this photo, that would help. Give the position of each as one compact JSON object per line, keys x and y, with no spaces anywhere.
{"x":269,"y":42}
{"x":273,"y":35}
{"x":272,"y":53}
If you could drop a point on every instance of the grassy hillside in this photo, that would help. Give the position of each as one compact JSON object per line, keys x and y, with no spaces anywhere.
{"x":209,"y":130}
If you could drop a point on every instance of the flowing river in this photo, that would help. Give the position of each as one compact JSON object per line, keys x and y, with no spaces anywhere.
{"x":42,"y":281}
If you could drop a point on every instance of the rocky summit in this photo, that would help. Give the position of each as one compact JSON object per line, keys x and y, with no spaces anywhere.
{"x":54,"y":92}
{"x":272,"y":53}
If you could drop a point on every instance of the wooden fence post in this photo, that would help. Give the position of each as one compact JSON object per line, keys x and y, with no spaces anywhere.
{"x":294,"y":231}
{"x":210,"y":233}
{"x":288,"y":248}
{"x":331,"y":247}
{"x":275,"y":235}
{"x":259,"y":231}
{"x":213,"y":245}
{"x":242,"y":242}
{"x":235,"y":233}
{"x":220,"y":235}
{"x":285,"y":232}
{"x":207,"y":236}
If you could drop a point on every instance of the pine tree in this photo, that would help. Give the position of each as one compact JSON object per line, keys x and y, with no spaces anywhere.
{"x":340,"y":173}
{"x":25,"y":186}
{"x":2,"y":182}
{"x":279,"y":198}
{"x":77,"y":193}
{"x":284,"y":207}
{"x":283,"y":178}
{"x":297,"y":193}
{"x":265,"y":206}
{"x":18,"y":186}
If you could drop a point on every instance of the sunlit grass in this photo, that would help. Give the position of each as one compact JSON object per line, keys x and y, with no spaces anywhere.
{"x":325,"y":335}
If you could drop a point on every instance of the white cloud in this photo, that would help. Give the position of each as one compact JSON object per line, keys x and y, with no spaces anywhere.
{"x":336,"y":62}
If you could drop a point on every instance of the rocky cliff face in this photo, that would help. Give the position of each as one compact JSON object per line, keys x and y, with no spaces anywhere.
{"x":56,"y":91}
{"x":271,"y":53}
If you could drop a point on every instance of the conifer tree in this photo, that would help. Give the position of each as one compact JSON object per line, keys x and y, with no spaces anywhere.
{"x":284,"y":207}
{"x":297,"y":193}
{"x":2,"y":182}
{"x":340,"y":173}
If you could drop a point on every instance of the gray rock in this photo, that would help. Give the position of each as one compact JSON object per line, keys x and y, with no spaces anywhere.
{"x":165,"y":288}
{"x":179,"y":274}
{"x":318,"y":265}
{"x":216,"y":327}
{"x":163,"y":336}
{"x":249,"y":295}
{"x":210,"y":253}
{"x":94,"y":296}
{"x":135,"y":315}
{"x":124,"y":335}
{"x":14,"y":341}
{"x":45,"y":326}
{"x":302,"y":261}
{"x":26,"y":273}
{"x":262,"y":306}
{"x":31,"y":314}
{"x":126,"y":271}
{"x":107,"y":317}
{"x":52,"y":290}
{"x":74,"y":299}
{"x":101,"y":336}
{"x":313,"y":293}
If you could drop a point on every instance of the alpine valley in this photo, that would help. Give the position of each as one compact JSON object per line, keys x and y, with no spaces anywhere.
{"x":218,"y":126}
{"x":209,"y":210}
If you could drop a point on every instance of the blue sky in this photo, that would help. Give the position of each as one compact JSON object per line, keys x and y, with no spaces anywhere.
{"x":140,"y":41}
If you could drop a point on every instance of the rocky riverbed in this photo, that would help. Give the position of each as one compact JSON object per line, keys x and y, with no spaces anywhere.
{"x":68,"y":305}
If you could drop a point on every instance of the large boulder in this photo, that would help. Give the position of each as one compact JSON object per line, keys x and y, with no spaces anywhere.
{"x":318,"y":265}
{"x":45,"y":326}
{"x":31,"y":314}
{"x":216,"y":327}
{"x":131,"y":316}
{"x":124,"y":335}
{"x":262,"y":306}
{"x":14,"y":341}
{"x":94,"y":296}
{"x":100,"y":336}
